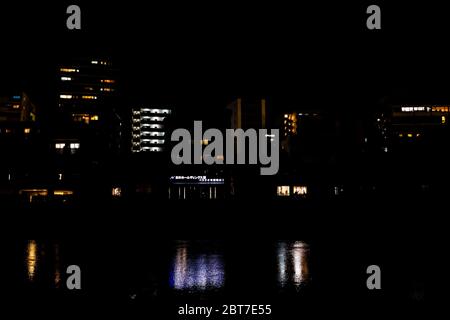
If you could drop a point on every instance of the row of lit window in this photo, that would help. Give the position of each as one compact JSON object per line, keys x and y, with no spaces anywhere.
{"x":146,"y":127}
{"x":428,"y":109}
{"x":151,"y":134}
{"x":9,"y":131}
{"x":145,"y":110}
{"x":86,"y":118}
{"x":70,"y":96}
{"x":100,"y":62}
{"x":107,"y":81}
{"x":151,"y":149}
{"x":151,"y":118}
{"x":72,"y":146}
{"x":409,"y":135}
{"x":285,"y":191}
{"x":69,"y":70}
{"x":155,"y":141}
{"x":159,"y":119}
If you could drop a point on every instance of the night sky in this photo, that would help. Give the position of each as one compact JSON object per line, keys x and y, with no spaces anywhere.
{"x":204,"y":54}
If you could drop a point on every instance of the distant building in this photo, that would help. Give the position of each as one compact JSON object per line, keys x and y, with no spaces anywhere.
{"x":416,"y":124}
{"x":149,"y":132}
{"x":87,"y":88}
{"x":17,"y":108}
{"x":18,"y":132}
{"x":308,"y":138}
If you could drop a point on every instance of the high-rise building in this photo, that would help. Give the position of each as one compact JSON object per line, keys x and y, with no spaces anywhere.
{"x":87,"y":89}
{"x":149,"y":129}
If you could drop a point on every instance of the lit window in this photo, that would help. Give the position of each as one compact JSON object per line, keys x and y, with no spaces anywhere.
{"x":94,"y":62}
{"x":74,"y":146}
{"x":94,"y":118}
{"x":107,"y":81}
{"x":116,"y":192}
{"x":89,"y":97}
{"x":400,"y":135}
{"x":107,"y":89}
{"x":16,"y":106}
{"x":440,"y":109}
{"x":63,"y":193}
{"x":443,"y":119}
{"x":410,"y":135}
{"x":77,"y":117}
{"x":283,"y":191}
{"x":27,"y":130}
{"x":31,"y":193}
{"x":300,"y":190}
{"x":60,"y":145}
{"x":65,"y":96}
{"x":69,"y":70}
{"x":66,"y":78}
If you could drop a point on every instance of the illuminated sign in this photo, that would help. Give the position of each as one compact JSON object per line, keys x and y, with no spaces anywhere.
{"x":195,"y":180}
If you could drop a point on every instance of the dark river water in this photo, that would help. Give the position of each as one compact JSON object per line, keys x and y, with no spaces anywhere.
{"x":294,"y":276}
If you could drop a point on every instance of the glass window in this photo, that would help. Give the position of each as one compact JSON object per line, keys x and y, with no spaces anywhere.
{"x":300,"y":190}
{"x":283,"y":191}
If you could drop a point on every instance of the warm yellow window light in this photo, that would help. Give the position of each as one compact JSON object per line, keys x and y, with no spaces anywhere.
{"x":68,"y":70}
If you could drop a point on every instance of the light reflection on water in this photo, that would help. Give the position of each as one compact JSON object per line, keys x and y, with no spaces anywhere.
{"x":197,"y":269}
{"x":195,"y":266}
{"x":32,"y":259}
{"x":293,"y":264}
{"x":42,"y":261}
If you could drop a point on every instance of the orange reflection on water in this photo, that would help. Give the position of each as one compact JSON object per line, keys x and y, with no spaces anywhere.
{"x":32,"y":259}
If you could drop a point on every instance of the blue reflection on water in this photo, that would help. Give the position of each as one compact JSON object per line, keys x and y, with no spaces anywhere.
{"x":196,"y":271}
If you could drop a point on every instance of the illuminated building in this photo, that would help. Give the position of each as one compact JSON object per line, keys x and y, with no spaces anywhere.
{"x":18,"y":134}
{"x":289,"y":126}
{"x":17,"y":116}
{"x":415,"y":123}
{"x":87,"y":88}
{"x":17,"y":108}
{"x":196,"y":187}
{"x":149,"y":129}
{"x":307,"y":140}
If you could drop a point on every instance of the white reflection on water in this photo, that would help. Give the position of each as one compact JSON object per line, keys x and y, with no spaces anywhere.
{"x":197,"y":271}
{"x":32,"y":259}
{"x":293,"y":263}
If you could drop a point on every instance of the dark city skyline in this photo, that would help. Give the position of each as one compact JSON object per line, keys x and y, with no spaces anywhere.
{"x":244,"y":123}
